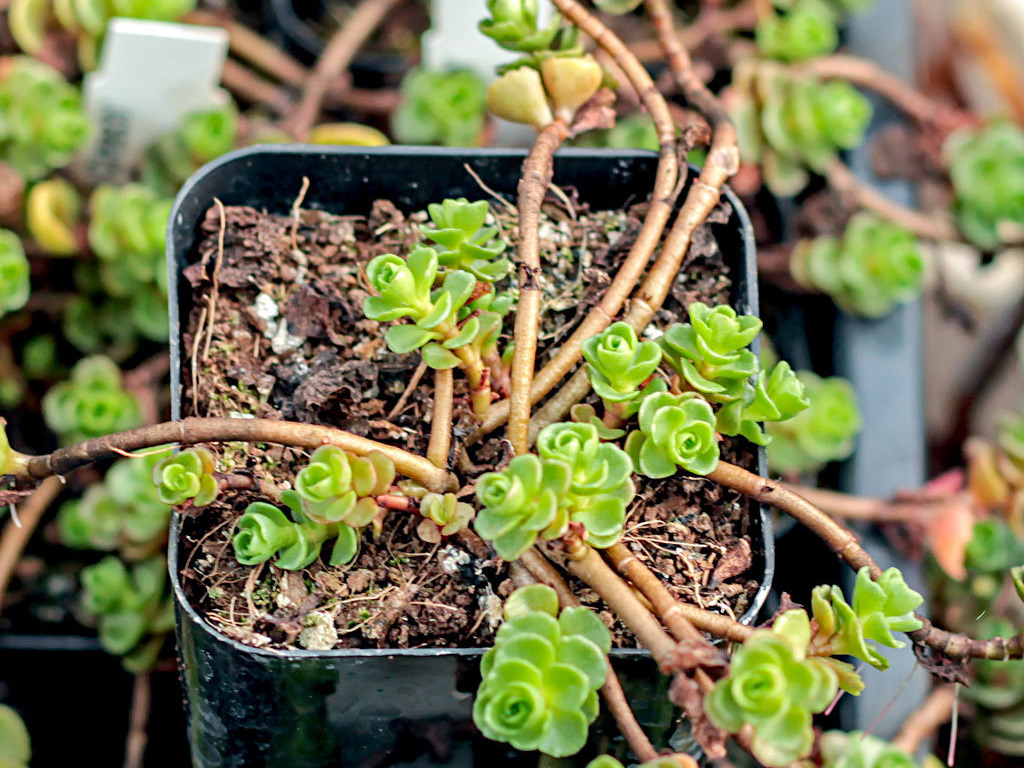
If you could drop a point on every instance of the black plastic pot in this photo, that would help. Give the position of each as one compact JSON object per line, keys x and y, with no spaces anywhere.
{"x":251,"y":707}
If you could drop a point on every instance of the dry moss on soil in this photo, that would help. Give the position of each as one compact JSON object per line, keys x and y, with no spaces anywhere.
{"x":288,"y":340}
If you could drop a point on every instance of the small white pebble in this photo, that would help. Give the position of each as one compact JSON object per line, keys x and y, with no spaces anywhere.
{"x":266,"y":307}
{"x":320,"y":633}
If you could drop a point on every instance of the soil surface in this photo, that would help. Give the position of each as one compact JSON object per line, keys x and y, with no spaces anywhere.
{"x":276,"y":330}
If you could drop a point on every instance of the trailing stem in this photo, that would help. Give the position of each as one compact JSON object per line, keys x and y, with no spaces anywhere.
{"x":722,"y":162}
{"x":441,"y":422}
{"x":662,"y":200}
{"x":845,"y":545}
{"x":191,"y":431}
{"x":533,"y":186}
{"x":335,"y":60}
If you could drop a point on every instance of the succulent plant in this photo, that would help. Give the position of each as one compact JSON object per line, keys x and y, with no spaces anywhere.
{"x":619,"y":365}
{"x":43,"y":121}
{"x":123,"y":513}
{"x":405,"y":289}
{"x":521,"y":502}
{"x":91,"y":403}
{"x":986,"y":166}
{"x":337,"y":487}
{"x":776,"y":397}
{"x":185,"y":476}
{"x":826,"y":431}
{"x":774,"y":687}
{"x":872,"y":268}
{"x":675,"y":431}
{"x":443,"y":515}
{"x":128,"y":606}
{"x":607,"y":761}
{"x":576,"y":478}
{"x":513,"y":24}
{"x":446,"y":108}
{"x":879,"y":608}
{"x":840,"y":749}
{"x":14,"y":273}
{"x":710,"y":352}
{"x":202,"y":137}
{"x":15,"y":746}
{"x":540,"y":680}
{"x":464,"y":242}
{"x":993,"y":548}
{"x":805,"y":29}
{"x":787,"y":124}
{"x":51,"y":215}
{"x":558,"y":87}
{"x":127,"y":231}
{"x":264,"y":531}
{"x":633,"y":131}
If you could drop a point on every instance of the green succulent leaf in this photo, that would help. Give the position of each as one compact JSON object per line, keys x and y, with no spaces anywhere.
{"x":15,"y":747}
{"x":986,"y":166}
{"x":187,"y":475}
{"x":444,"y":515}
{"x":467,"y":244}
{"x":513,"y":24}
{"x":773,"y":687}
{"x":446,"y":108}
{"x":675,"y":431}
{"x":823,"y":432}
{"x":14,"y":273}
{"x":860,"y":750}
{"x":807,"y":28}
{"x":92,"y":403}
{"x":539,"y":681}
{"x":202,"y":137}
{"x":618,"y":364}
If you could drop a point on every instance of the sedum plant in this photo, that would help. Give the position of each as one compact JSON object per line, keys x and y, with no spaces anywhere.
{"x":619,"y":366}
{"x":14,"y":273}
{"x":879,"y":608}
{"x":446,"y":108}
{"x":872,"y":268}
{"x":405,"y":288}
{"x":15,"y":747}
{"x":186,"y":476}
{"x":826,"y":431}
{"x":202,"y":137}
{"x":264,"y":531}
{"x":788,"y":124}
{"x":797,"y":30}
{"x":861,"y":750}
{"x":123,"y":513}
{"x":43,"y":123}
{"x":774,"y":687}
{"x":128,"y":606}
{"x":443,"y":515}
{"x":337,"y":487}
{"x":91,"y":403}
{"x":607,"y":761}
{"x":577,"y":478}
{"x":463,"y":242}
{"x":986,"y":166}
{"x":675,"y":431}
{"x":540,"y":680}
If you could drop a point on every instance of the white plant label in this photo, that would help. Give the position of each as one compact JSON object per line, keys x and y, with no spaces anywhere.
{"x":151,"y":75}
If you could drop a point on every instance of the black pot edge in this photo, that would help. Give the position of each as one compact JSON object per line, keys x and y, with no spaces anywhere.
{"x":184,"y":606}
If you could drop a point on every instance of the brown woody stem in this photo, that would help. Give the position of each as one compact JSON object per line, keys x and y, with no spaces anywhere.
{"x":845,"y":545}
{"x":253,"y":48}
{"x":533,"y":186}
{"x":657,"y":217}
{"x":191,"y":431}
{"x":335,"y":60}
{"x":441,"y":422}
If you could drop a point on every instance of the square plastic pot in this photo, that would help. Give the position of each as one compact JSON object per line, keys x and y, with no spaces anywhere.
{"x":251,"y":707}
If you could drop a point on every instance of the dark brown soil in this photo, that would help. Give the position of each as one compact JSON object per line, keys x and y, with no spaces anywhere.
{"x":288,"y":340}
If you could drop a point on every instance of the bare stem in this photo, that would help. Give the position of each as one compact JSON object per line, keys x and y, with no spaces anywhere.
{"x":533,"y":186}
{"x":865,"y":195}
{"x":138,"y":722}
{"x":849,"y":507}
{"x":14,"y":539}
{"x":845,"y":545}
{"x":441,"y":422}
{"x":191,"y":431}
{"x":933,"y":712}
{"x":658,"y":213}
{"x":335,"y":60}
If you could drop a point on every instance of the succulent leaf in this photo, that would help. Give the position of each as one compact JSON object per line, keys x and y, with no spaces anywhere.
{"x":858,"y":750}
{"x":618,"y":364}
{"x":186,"y":475}
{"x":465,"y":243}
{"x":675,"y":431}
{"x":807,"y":28}
{"x":15,"y":747}
{"x":444,"y":515}
{"x":540,"y":679}
{"x":14,"y":273}
{"x":92,"y":403}
{"x":446,"y":108}
{"x":513,"y":24}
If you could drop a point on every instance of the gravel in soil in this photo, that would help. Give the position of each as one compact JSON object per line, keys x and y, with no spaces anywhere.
{"x":276,"y":330}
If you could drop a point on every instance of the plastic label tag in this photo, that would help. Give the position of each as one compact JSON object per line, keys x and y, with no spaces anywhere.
{"x":151,"y":75}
